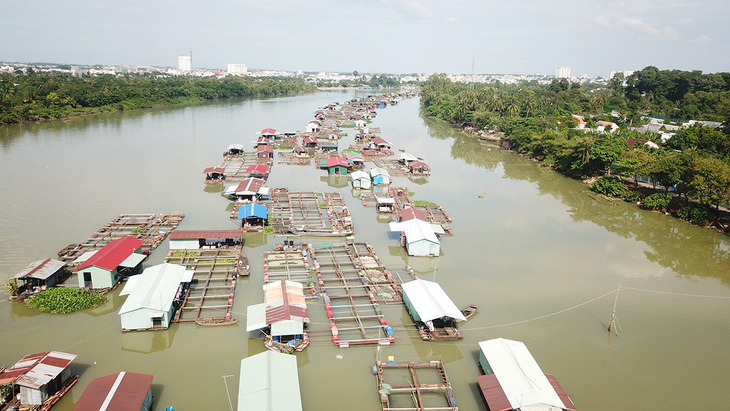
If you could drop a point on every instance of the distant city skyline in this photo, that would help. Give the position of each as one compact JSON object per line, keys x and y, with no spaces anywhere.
{"x":380,"y":36}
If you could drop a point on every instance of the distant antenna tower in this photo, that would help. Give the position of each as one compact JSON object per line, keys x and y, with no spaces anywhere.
{"x":192,"y":70}
{"x":472,"y":72}
{"x":522,"y":66}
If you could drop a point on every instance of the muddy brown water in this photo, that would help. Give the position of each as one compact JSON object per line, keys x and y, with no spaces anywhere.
{"x":538,"y":253}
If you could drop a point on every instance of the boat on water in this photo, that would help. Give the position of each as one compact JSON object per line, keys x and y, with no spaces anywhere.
{"x":470,"y":310}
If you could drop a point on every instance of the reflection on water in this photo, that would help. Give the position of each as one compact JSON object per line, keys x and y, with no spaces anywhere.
{"x":335,"y":181}
{"x":149,"y":341}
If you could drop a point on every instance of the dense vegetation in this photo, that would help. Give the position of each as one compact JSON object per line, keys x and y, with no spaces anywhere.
{"x":31,"y":96}
{"x":537,"y":121}
{"x":375,"y":81}
{"x":65,"y":300}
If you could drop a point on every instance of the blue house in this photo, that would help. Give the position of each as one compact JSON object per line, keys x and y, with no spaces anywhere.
{"x":253,"y":215}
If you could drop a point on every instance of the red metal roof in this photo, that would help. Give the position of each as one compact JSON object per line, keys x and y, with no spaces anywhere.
{"x":299,"y":149}
{"x":264,"y":149}
{"x":268,"y":131}
{"x":417,"y":164}
{"x":251,"y":185}
{"x":336,"y":161}
{"x":112,"y":254}
{"x":129,"y":394}
{"x":219,"y":170}
{"x":493,"y":393}
{"x":198,"y":234}
{"x":30,"y":361}
{"x":561,"y":392}
{"x":309,"y":139}
{"x":379,"y":141}
{"x":258,"y":168}
{"x":410,"y":213}
{"x":284,"y":303}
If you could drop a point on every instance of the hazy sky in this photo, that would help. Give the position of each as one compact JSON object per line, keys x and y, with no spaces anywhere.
{"x":398,"y":36}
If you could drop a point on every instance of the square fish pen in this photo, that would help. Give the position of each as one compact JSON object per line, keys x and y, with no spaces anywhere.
{"x":412,"y":386}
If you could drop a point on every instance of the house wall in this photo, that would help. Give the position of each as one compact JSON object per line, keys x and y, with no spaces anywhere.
{"x":147,"y":404}
{"x":484,"y":363}
{"x":100,"y":278}
{"x":32,"y":396}
{"x":422,"y":248}
{"x":337,"y":170}
{"x":407,"y":302}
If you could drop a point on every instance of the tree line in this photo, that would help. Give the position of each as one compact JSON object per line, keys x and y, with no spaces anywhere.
{"x":538,"y":120}
{"x":32,"y":96}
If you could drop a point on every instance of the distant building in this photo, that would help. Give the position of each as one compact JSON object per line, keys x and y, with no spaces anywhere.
{"x":185,"y":63}
{"x":562,"y":72}
{"x":237,"y":69}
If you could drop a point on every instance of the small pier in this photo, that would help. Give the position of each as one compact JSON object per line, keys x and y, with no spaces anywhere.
{"x":150,"y":228}
{"x":414,"y":386}
{"x":352,"y":279}
{"x":209,"y":301}
{"x":310,"y":213}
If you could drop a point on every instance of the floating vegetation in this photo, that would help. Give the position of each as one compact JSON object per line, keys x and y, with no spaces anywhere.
{"x":65,"y":300}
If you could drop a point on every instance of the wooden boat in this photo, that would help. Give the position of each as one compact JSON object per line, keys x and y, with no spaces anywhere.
{"x":470,"y":310}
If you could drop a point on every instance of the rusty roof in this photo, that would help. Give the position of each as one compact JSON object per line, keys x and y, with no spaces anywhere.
{"x":493,"y":393}
{"x":117,"y":392}
{"x":198,"y":234}
{"x":41,"y":269}
{"x":561,"y":392}
{"x":219,"y":170}
{"x":36,"y":370}
{"x":285,"y":301}
{"x":250,"y":185}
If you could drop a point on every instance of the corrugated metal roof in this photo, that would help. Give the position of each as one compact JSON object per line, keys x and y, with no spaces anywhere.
{"x":112,"y":254}
{"x":256,"y":317}
{"x":41,"y":269}
{"x":336,"y":161}
{"x":409,"y":213}
{"x":415,"y":230}
{"x":493,"y":393}
{"x":269,"y":382}
{"x":258,"y":168}
{"x":250,"y":186}
{"x":219,"y":170}
{"x":36,"y":370}
{"x":268,"y":131}
{"x":155,"y":288}
{"x":377,"y":171}
{"x":430,"y":301}
{"x":117,"y":392}
{"x":407,"y":157}
{"x":235,"y":147}
{"x":133,"y":260}
{"x":359,"y":174}
{"x":264,"y":149}
{"x":285,"y":301}
{"x":204,"y":234}
{"x":561,"y":392}
{"x":253,"y":210}
{"x":523,"y":382}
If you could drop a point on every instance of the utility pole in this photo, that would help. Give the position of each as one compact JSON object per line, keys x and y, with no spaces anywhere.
{"x":472,"y":72}
{"x":614,"y":320}
{"x":192,"y":70}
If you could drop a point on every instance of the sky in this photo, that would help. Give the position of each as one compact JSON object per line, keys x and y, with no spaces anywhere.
{"x":377,"y":36}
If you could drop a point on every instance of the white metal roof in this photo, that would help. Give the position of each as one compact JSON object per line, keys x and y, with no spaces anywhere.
{"x":129,"y":285}
{"x":269,"y":381}
{"x":415,"y":230}
{"x":385,"y":200}
{"x":521,"y":378}
{"x":85,"y":256}
{"x":236,"y":147}
{"x":155,"y":288}
{"x":256,"y":317}
{"x":133,"y":260}
{"x":407,"y":157}
{"x":43,"y":372}
{"x":377,"y":171}
{"x":287,"y":327}
{"x":356,"y":175}
{"x":430,"y":301}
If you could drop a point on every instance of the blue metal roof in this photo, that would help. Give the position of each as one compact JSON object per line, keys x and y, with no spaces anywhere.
{"x":253,"y":210}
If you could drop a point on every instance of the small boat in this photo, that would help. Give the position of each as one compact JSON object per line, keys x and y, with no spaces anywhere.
{"x":470,"y":310}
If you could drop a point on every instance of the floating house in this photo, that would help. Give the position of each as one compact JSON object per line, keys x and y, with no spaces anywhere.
{"x":336,"y":166}
{"x":418,"y":237}
{"x":312,"y":127}
{"x":253,"y":215}
{"x":235,"y":149}
{"x":419,"y":168}
{"x":380,"y":176}
{"x":432,"y":310}
{"x":354,"y":159}
{"x":361,"y":179}
{"x":283,"y":316}
{"x":385,"y":204}
{"x":514,"y":380}
{"x":251,"y":189}
{"x":329,"y":147}
{"x":268,"y":133}
{"x":410,"y":213}
{"x":214,"y":175}
{"x":269,"y":381}
{"x":210,"y":239}
{"x":310,"y":142}
{"x":263,"y":141}
{"x":265,"y":151}
{"x":359,"y":123}
{"x":379,"y":143}
{"x":405,"y":158}
{"x":154,"y":296}
{"x":258,"y":171}
{"x":40,"y":274}
{"x":104,"y":267}
{"x":300,"y":151}
{"x":40,"y":376}
{"x":123,"y":391}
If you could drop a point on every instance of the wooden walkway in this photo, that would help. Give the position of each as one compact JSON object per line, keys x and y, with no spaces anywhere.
{"x":352,"y":279}
{"x":414,"y":386}
{"x":209,"y":300}
{"x":151,"y":228}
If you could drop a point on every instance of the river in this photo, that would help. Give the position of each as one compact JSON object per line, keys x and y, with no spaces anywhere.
{"x":538,"y":252}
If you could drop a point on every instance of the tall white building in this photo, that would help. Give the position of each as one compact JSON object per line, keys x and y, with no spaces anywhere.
{"x":237,"y":69}
{"x":185,"y":63}
{"x":562,"y":72}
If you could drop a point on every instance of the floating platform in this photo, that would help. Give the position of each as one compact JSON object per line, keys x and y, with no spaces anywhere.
{"x":235,"y":165}
{"x":151,"y":228}
{"x":209,"y":301}
{"x":414,"y":386}
{"x":309,"y":213}
{"x":352,"y":280}
{"x":290,"y":265}
{"x":394,"y":167}
{"x":287,"y":157}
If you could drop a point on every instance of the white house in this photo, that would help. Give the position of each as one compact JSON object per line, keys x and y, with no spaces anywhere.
{"x":417,"y":237}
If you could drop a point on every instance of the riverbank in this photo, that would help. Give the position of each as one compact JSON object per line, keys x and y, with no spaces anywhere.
{"x":717,"y":219}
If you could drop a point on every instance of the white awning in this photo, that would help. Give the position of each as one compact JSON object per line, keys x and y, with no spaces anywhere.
{"x":85,"y":256}
{"x":184,"y":244}
{"x":256,"y":317}
{"x":407,"y":157}
{"x":287,"y":327}
{"x":264,"y":191}
{"x":437,"y":229}
{"x":430,"y":301}
{"x":133,"y":260}
{"x":130,"y":284}
{"x":188,"y":276}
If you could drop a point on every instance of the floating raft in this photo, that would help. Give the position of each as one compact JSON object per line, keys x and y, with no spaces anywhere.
{"x":351,"y":280}
{"x":310,"y":213}
{"x":287,"y":157}
{"x":414,"y":386}
{"x":151,"y":228}
{"x":209,"y":300}
{"x":289,"y":265}
{"x":235,"y":165}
